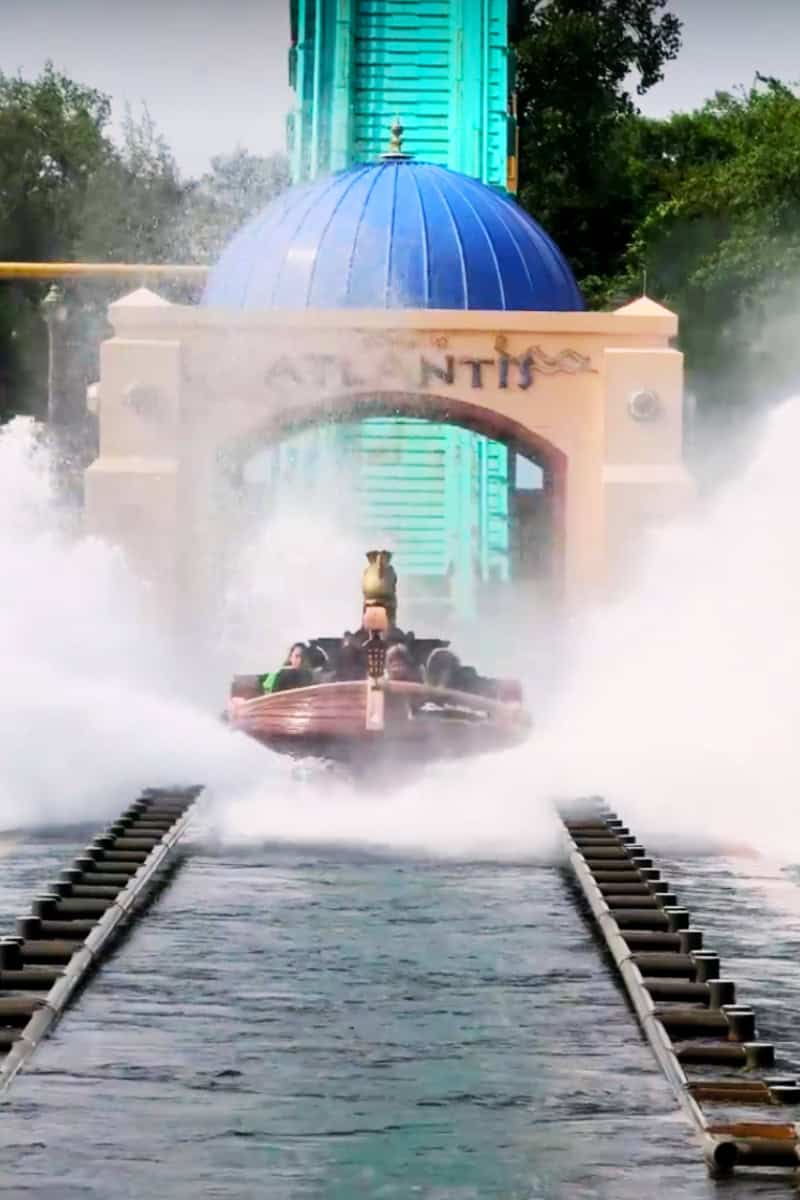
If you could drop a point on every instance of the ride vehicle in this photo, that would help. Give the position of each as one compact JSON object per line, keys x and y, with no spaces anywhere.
{"x":378,"y":692}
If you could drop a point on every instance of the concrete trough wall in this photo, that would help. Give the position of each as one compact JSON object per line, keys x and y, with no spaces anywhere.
{"x":705,"y":1043}
{"x":75,"y":920}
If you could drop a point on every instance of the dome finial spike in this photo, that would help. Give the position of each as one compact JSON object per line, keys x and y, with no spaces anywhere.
{"x":395,"y":150}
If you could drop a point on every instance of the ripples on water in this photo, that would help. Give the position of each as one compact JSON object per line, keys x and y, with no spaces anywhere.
{"x":305,"y":1023}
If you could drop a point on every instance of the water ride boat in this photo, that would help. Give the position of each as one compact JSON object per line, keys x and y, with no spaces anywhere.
{"x":378,"y":693}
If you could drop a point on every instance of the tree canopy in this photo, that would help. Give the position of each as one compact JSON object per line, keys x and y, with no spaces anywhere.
{"x":705,"y":205}
{"x":578,"y":61}
{"x":238,"y":185}
{"x":69,"y":192}
{"x":52,"y":143}
{"x":719,"y":240}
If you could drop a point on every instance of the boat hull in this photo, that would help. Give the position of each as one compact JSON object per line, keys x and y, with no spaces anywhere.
{"x":364,"y":721}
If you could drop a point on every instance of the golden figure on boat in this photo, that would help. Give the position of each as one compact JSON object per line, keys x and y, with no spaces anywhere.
{"x":379,"y":583}
{"x":379,"y":690}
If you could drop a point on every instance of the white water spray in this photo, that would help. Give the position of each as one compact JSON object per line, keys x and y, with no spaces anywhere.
{"x":682,"y":702}
{"x":90,"y":709}
{"x":679,"y":704}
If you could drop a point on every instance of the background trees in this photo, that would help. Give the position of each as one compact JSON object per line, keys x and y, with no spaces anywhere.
{"x":702,"y":208}
{"x":51,"y":146}
{"x":578,"y":63}
{"x":720,"y":242}
{"x":704,"y":205}
{"x":67,"y":192}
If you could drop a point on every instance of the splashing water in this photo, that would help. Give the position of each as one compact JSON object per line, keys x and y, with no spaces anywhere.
{"x":92,"y":709}
{"x":679,"y":703}
{"x":447,"y":812}
{"x":89,"y":708}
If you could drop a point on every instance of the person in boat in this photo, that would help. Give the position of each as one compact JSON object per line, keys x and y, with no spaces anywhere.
{"x":294,"y":673}
{"x":352,"y":663}
{"x":400,"y":665}
{"x":322,"y":670}
{"x":445,"y":670}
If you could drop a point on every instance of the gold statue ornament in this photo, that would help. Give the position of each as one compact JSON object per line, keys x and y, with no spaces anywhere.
{"x":379,"y":583}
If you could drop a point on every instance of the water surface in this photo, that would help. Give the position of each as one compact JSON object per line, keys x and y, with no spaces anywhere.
{"x":302,"y":1023}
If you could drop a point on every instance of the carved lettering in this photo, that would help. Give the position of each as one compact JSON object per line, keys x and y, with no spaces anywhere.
{"x":391,"y":366}
{"x":503,"y":364}
{"x":283,"y":370}
{"x":324,"y":367}
{"x":526,"y":364}
{"x":477,"y":365}
{"x":430,"y":370}
{"x":331,"y":371}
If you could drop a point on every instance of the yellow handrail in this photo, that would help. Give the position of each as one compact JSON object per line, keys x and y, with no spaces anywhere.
{"x":67,"y":270}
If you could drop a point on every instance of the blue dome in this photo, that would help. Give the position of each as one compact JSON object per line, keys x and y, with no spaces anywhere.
{"x":395,"y":234}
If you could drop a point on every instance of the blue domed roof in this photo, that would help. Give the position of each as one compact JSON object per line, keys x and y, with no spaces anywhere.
{"x":395,"y":234}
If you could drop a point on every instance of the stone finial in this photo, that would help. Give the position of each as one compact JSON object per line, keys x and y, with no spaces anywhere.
{"x":141,"y":298}
{"x":643,"y":306}
{"x":395,"y":150}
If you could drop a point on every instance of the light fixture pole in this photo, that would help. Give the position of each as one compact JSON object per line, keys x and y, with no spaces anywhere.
{"x":54,"y":311}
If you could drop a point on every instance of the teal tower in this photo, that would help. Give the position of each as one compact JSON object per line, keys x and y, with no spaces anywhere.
{"x":443,"y":66}
{"x":438,"y":494}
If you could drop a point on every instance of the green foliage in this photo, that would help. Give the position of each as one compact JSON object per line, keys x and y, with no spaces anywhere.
{"x":133,"y":211}
{"x":577,"y":61}
{"x":704,"y":205}
{"x":237,"y":186}
{"x":721,"y":242}
{"x":67,"y":192}
{"x":702,"y":208}
{"x":52,"y":143}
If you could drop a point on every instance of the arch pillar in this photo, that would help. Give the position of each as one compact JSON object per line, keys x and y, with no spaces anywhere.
{"x":132,"y":489}
{"x":645,"y":482}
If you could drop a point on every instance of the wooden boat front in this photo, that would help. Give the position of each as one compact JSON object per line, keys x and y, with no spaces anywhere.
{"x":322,"y":710}
{"x":350,"y":719}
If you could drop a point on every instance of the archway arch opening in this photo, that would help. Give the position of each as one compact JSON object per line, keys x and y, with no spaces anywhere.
{"x":471,"y":520}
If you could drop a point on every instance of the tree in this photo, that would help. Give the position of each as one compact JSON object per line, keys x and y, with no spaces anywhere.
{"x":237,"y":186}
{"x":721,"y":244}
{"x":52,"y":143}
{"x":67,"y":192}
{"x":577,"y":62}
{"x":133,"y":210}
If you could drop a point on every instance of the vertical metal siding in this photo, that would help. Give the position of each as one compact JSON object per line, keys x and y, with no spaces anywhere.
{"x":442,"y":67}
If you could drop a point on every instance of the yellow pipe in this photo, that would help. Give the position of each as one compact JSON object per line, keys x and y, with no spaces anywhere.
{"x":66,"y":270}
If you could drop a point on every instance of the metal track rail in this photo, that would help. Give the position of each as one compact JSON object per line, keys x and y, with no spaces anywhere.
{"x":688,"y":1014}
{"x":73,"y":924}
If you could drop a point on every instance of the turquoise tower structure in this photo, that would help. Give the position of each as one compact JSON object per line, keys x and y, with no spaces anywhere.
{"x":438,"y":494}
{"x":443,"y":66}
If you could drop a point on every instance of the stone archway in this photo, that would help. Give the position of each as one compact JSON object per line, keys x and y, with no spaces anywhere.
{"x":441,"y":410}
{"x":596,"y":396}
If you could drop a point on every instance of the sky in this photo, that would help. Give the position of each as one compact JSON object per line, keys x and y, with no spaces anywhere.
{"x":213,"y":72}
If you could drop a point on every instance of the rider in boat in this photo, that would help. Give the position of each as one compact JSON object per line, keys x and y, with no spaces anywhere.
{"x":294,"y":673}
{"x":352,"y":660}
{"x":400,"y":665}
{"x":445,"y":670}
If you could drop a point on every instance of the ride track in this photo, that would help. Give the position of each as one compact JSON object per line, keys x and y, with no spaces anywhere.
{"x":687,"y":1012}
{"x":73,"y":924}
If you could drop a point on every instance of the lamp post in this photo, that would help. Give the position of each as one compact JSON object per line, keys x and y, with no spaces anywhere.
{"x":54,"y":311}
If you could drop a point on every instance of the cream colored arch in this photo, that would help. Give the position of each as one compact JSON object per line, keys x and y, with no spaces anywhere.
{"x":599,"y":394}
